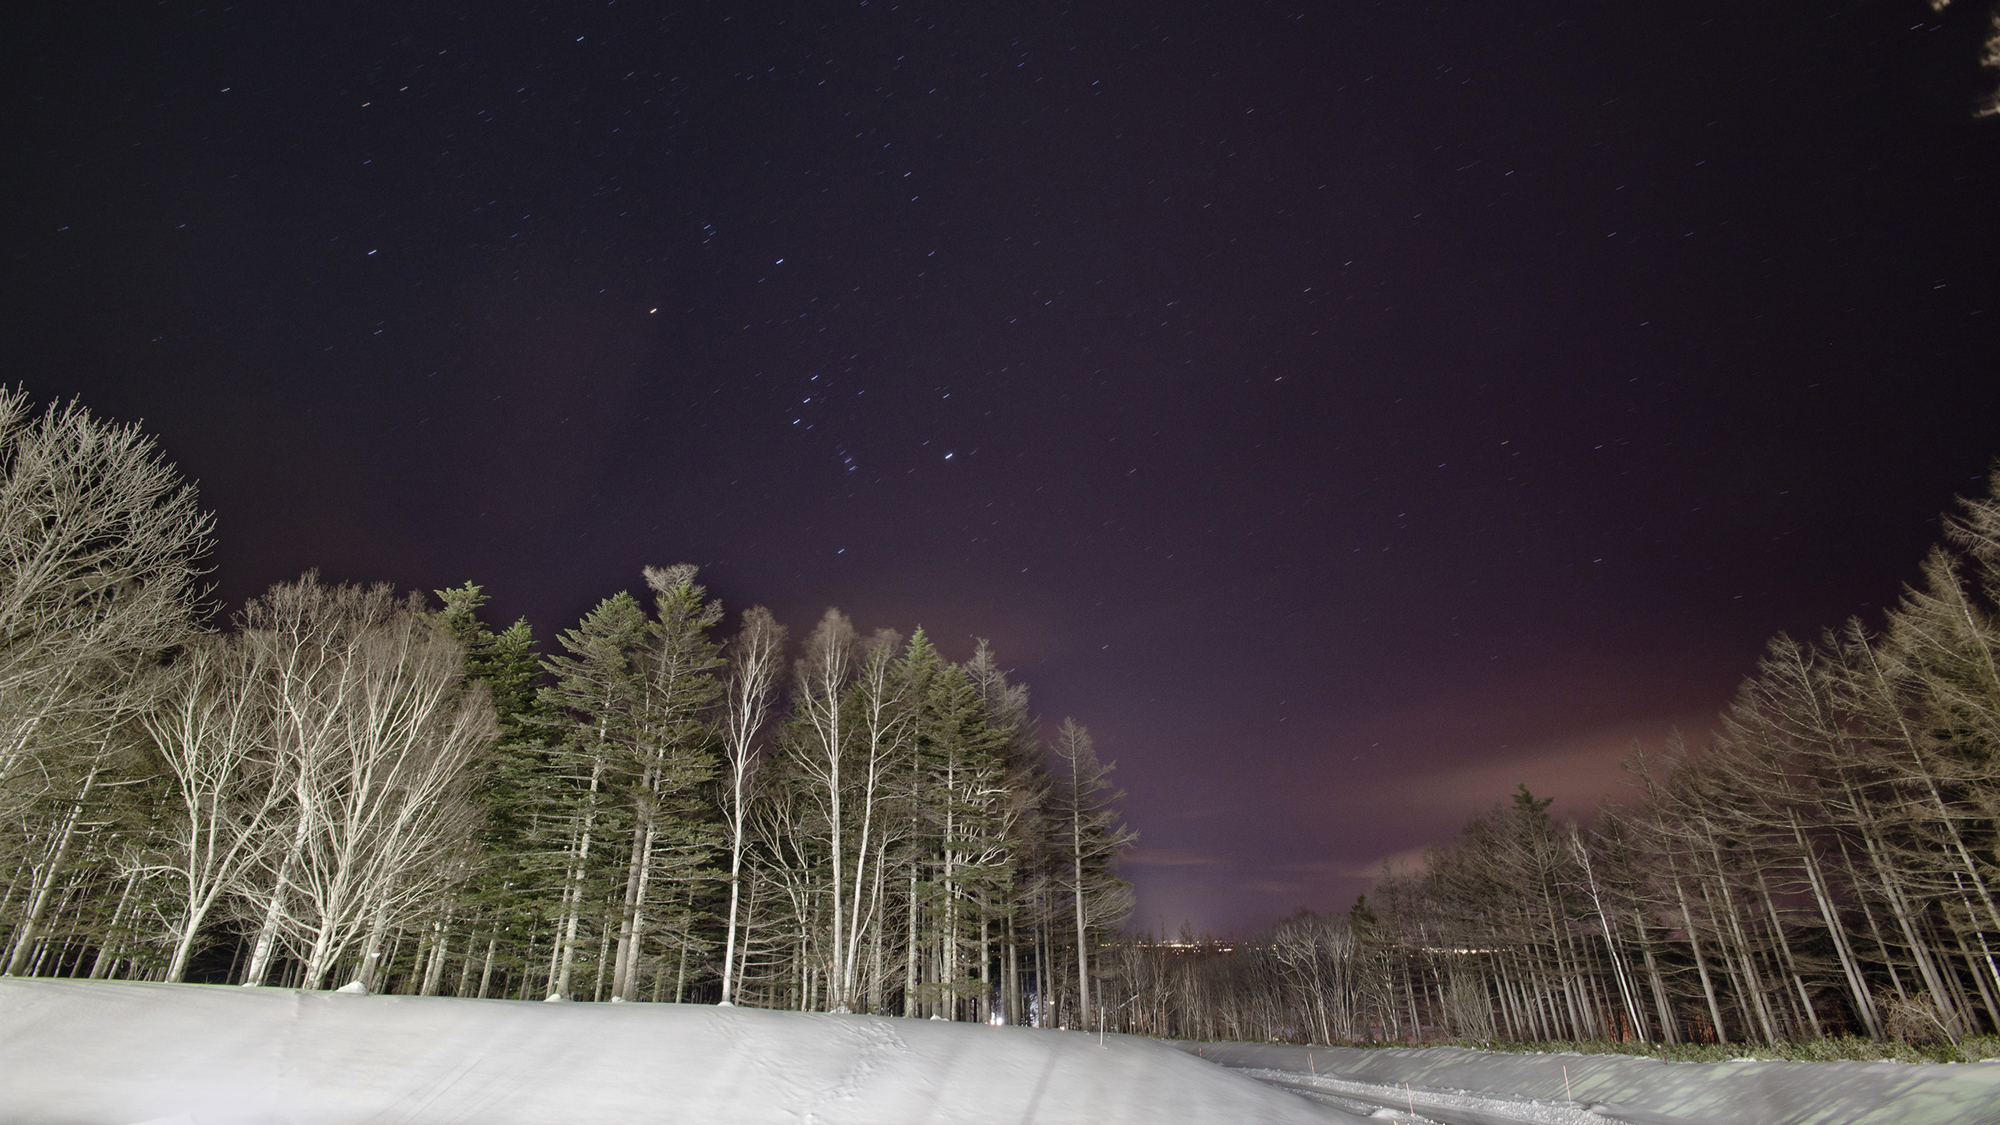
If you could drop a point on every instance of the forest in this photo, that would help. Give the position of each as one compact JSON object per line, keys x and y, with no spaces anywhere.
{"x":1823,"y":866}
{"x":345,"y":786}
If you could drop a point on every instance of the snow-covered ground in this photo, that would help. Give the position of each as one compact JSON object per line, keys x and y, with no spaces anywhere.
{"x":116,"y":1053}
{"x":1460,"y":1087}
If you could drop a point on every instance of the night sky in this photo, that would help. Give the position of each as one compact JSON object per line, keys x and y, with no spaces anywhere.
{"x":1347,"y":410}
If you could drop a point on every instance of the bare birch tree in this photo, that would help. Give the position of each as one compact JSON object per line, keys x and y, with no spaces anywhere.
{"x":379,"y":741}
{"x":755,"y":655}
{"x":211,"y":729}
{"x":100,"y":551}
{"x":881,"y":732}
{"x":101,"y":545}
{"x":820,"y":751}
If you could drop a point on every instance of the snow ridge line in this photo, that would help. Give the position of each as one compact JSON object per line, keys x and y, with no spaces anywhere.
{"x":1460,"y":1107}
{"x":1648,"y":1091}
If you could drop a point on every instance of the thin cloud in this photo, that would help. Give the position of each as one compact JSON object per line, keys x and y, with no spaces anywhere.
{"x":1576,"y":770}
{"x":1169,"y":857}
{"x":1401,"y":863}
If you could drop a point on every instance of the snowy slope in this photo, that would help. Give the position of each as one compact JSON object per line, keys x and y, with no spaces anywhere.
{"x":1553,"y":1087}
{"x":117,"y":1053}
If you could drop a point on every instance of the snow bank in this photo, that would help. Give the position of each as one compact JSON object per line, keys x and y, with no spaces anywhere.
{"x":118,"y":1053}
{"x":1640,"y":1090}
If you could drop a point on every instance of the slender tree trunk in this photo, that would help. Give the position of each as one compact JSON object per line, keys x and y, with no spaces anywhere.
{"x":368,"y":972}
{"x":267,"y":931}
{"x":465,"y":962}
{"x":440,"y":950}
{"x":681,"y":974}
{"x":528,"y":963}
{"x":603,"y":957}
{"x":1874,"y":928}
{"x":25,"y":933}
{"x":1857,"y":985}
{"x":1919,"y":948}
{"x":1082,"y":935}
{"x":486,"y":970}
{"x":633,"y":940}
{"x":910,"y":975}
{"x":743,"y":961}
{"x":1791,"y":964}
{"x":628,"y":911}
{"x":565,"y":952}
{"x":1755,"y":1000}
{"x":1985,"y":992}
{"x":1013,"y":976}
{"x":735,"y":893}
{"x":1627,"y":989}
{"x":1700,"y":963}
{"x":1725,"y":953}
{"x":1910,"y":743}
{"x":421,"y":964}
{"x":107,"y":949}
{"x":1669,"y":1029}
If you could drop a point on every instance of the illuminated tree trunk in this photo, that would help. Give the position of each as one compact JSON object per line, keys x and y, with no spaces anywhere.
{"x":754,"y":655}
{"x":44,"y":892}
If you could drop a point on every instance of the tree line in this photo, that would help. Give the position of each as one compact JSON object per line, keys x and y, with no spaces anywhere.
{"x":1825,"y":865}
{"x":347,"y":786}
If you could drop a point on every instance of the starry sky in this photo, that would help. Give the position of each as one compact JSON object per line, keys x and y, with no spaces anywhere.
{"x":1347,"y":410}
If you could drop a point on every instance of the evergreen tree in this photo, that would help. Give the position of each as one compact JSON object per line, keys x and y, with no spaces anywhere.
{"x":1091,"y":840}
{"x":501,"y":902}
{"x":672,"y":829}
{"x":591,"y":714}
{"x":961,"y":759}
{"x":630,"y":710}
